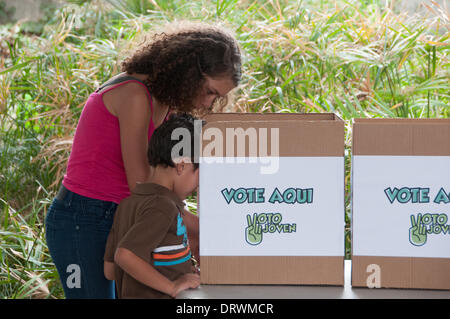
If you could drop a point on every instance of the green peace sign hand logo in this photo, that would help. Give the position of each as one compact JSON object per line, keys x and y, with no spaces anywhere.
{"x":252,"y":235}
{"x":417,"y":232}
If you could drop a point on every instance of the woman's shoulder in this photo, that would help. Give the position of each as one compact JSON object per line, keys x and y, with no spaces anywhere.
{"x":132,"y":90}
{"x":123,"y":83}
{"x":131,"y":94}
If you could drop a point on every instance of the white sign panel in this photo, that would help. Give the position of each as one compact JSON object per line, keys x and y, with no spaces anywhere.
{"x":297,"y":211}
{"x":401,"y":206}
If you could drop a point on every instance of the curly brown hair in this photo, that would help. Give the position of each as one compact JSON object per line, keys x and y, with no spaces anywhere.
{"x":177,"y":63}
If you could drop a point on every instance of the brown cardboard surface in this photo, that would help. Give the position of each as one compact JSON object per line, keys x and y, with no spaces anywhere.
{"x":424,"y":137}
{"x":403,"y":272}
{"x":265,"y":270}
{"x":400,"y":121}
{"x":297,"y":138}
{"x":300,"y":135}
{"x":402,"y":137}
{"x":270,"y":116}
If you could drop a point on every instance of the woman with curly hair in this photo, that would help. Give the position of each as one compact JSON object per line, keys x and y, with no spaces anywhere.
{"x":186,"y":70}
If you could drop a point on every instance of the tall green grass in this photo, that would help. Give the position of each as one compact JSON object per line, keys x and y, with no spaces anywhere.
{"x":354,"y":58}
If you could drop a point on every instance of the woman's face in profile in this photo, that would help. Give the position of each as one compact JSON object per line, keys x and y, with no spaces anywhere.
{"x":213,"y":89}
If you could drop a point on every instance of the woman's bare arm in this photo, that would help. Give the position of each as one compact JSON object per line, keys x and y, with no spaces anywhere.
{"x":134,"y":118}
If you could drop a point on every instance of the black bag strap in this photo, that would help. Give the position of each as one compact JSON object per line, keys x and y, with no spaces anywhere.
{"x":118,"y":79}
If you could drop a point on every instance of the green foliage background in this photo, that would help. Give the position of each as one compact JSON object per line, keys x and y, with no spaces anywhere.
{"x":353,"y":58}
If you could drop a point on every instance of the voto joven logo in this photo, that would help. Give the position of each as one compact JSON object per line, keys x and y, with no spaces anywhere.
{"x":259,"y":224}
{"x":422,"y":224}
{"x":265,"y":223}
{"x":427,"y":224}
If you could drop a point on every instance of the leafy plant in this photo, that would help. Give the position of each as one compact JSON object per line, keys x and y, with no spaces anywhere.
{"x":353,"y":58}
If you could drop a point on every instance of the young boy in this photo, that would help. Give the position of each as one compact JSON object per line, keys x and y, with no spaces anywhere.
{"x":147,"y":252}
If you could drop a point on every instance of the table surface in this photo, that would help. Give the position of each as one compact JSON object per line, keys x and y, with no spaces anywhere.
{"x":307,"y":292}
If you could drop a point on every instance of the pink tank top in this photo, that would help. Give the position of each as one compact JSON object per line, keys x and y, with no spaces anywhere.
{"x":95,"y":168}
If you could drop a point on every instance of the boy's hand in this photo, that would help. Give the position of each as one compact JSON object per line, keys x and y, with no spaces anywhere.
{"x":185,"y":282}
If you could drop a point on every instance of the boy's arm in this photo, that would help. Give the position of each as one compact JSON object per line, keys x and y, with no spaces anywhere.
{"x":142,"y":271}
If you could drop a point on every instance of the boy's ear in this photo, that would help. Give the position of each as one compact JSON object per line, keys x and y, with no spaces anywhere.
{"x":179,"y":166}
{"x":180,"y":163}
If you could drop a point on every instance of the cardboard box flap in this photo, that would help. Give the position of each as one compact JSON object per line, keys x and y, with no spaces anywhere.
{"x":271,"y":117}
{"x":427,"y":137}
{"x":294,"y":138}
{"x":380,"y":121}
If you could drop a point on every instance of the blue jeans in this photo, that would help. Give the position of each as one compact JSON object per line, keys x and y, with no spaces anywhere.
{"x":77,"y":228}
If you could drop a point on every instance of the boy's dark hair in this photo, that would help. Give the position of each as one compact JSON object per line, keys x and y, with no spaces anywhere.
{"x":177,"y":62}
{"x":161,"y":143}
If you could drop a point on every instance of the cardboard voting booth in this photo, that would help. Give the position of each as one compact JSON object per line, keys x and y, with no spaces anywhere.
{"x":401,"y":203}
{"x":271,"y":199}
